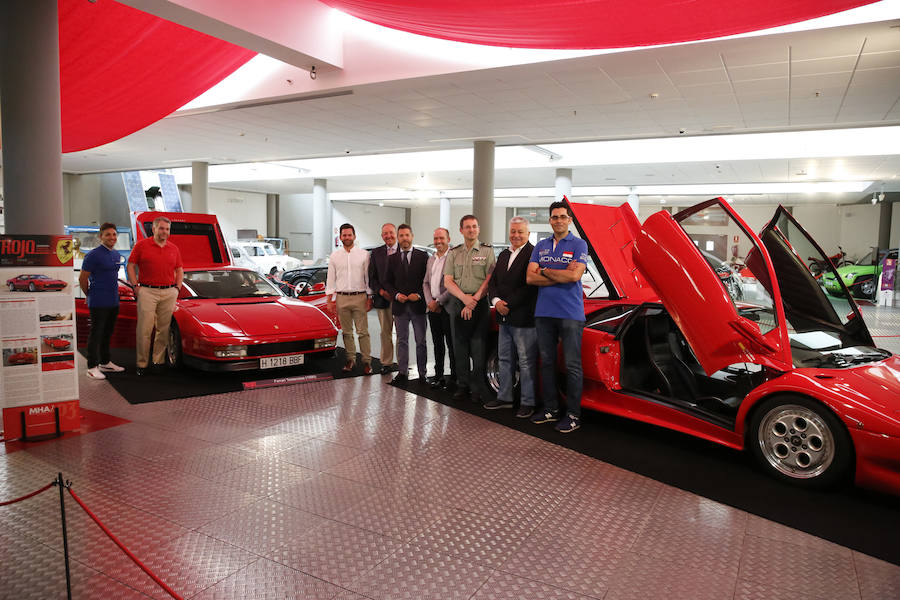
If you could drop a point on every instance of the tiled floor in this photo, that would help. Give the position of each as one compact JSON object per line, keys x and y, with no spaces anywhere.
{"x":353,"y":489}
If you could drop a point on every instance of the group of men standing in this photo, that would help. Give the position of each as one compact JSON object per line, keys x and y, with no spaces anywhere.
{"x":535,"y":291}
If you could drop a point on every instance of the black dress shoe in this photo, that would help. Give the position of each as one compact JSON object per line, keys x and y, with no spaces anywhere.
{"x":461,"y":394}
{"x":385,"y":369}
{"x":437,"y":383}
{"x":401,"y":378}
{"x":140,"y":371}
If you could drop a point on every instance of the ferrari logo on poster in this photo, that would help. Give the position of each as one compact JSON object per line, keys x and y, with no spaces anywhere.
{"x":65,"y":250}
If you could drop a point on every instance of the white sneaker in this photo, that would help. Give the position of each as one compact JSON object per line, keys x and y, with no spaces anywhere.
{"x":95,"y":373}
{"x":111,"y":366}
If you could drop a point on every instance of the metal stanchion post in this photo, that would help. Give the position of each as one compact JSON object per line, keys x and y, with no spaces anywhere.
{"x":62,"y":512}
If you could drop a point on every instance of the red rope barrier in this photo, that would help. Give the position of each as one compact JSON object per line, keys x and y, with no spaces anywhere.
{"x":31,"y":495}
{"x":122,"y":547}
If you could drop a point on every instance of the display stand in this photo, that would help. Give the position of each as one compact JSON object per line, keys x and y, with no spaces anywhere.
{"x":38,"y":375}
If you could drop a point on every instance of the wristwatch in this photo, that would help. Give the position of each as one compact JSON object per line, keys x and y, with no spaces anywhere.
{"x":542,"y":270}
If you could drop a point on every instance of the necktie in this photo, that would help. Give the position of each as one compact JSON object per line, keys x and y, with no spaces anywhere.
{"x":406,"y":257}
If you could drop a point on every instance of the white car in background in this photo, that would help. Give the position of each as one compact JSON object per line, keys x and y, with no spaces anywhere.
{"x":261,"y":257}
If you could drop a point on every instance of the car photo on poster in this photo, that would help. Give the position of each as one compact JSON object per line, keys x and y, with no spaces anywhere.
{"x":45,"y":317}
{"x":13,"y":357}
{"x":56,"y":343}
{"x":35,"y":283}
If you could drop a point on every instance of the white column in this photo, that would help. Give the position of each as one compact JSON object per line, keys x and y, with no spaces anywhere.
{"x":445,"y":213}
{"x":563,"y":184}
{"x":633,"y":201}
{"x":30,"y":113}
{"x":483,"y":189}
{"x":323,"y":239}
{"x":273,"y":218}
{"x":199,"y":187}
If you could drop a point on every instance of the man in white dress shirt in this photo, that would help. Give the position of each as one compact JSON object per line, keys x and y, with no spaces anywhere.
{"x":347,"y":285}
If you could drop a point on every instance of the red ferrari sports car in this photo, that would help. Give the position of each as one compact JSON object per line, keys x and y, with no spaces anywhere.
{"x":226,"y":318}
{"x":779,"y":369}
{"x":22,"y":358}
{"x":57,"y":343}
{"x":35,"y":283}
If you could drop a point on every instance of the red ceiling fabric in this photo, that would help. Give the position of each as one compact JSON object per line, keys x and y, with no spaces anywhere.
{"x":582,"y":24}
{"x":122,"y":69}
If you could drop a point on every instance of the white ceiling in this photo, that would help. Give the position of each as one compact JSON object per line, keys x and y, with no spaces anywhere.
{"x":831,"y":78}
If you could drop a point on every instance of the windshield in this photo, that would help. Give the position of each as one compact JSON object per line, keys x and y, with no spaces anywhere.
{"x":824,"y":330}
{"x":270,"y":249}
{"x":228,"y":284}
{"x":735,"y":259}
{"x":88,"y":240}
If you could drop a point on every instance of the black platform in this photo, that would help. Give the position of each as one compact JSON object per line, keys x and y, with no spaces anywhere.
{"x":166,"y":383}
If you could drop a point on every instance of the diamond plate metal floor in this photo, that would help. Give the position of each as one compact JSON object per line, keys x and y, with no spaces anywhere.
{"x":354,"y":489}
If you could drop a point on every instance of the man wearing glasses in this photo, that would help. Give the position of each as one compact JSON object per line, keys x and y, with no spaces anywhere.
{"x":557,"y":264}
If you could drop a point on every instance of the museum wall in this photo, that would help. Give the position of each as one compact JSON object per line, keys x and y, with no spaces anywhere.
{"x":425,"y":219}
{"x":238,"y":210}
{"x":367,"y":219}
{"x":859,"y":229}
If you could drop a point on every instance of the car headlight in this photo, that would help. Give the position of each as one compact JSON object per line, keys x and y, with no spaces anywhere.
{"x":324,"y":342}
{"x":850,"y":276}
{"x":230,"y":352}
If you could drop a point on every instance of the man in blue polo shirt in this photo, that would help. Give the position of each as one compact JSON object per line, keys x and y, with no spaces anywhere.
{"x":99,"y":280}
{"x":557,"y":264}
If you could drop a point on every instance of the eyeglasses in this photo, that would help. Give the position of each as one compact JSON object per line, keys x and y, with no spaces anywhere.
{"x":559,"y":218}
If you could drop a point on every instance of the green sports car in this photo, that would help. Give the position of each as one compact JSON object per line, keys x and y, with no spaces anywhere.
{"x":861,"y":279}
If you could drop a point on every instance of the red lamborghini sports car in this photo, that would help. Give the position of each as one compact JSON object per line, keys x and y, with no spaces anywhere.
{"x":35,"y":283}
{"x":779,"y":369}
{"x":226,"y":318}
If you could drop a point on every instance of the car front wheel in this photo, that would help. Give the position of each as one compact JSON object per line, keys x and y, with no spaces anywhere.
{"x":173,"y":347}
{"x":798,"y":440}
{"x":867,"y":287}
{"x":31,"y":287}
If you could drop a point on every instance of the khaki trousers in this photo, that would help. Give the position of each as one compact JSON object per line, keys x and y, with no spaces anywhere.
{"x":386,"y":320}
{"x":352,"y":312}
{"x":154,"y":309}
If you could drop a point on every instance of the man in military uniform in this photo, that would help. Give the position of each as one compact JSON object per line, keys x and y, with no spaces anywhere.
{"x":466,"y":274}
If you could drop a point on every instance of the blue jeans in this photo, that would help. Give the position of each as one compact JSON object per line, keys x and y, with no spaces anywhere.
{"x":517,"y":346}
{"x":550,"y":332}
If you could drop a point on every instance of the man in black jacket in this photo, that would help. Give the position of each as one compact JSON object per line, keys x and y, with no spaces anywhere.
{"x":381,"y":300}
{"x":405,"y":274}
{"x":514,"y":300}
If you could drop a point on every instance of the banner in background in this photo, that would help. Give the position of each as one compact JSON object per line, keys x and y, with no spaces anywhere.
{"x":888,"y":272}
{"x":37,"y":335}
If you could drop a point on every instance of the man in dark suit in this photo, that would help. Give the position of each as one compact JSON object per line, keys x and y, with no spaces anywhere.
{"x":437,"y":297}
{"x":405,"y":274}
{"x":514,"y":300}
{"x":378,"y":267}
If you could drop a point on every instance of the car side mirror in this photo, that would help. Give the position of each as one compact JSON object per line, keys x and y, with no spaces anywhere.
{"x":318,"y":288}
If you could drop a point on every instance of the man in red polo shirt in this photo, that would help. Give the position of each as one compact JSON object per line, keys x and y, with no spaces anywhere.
{"x":155,"y":270}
